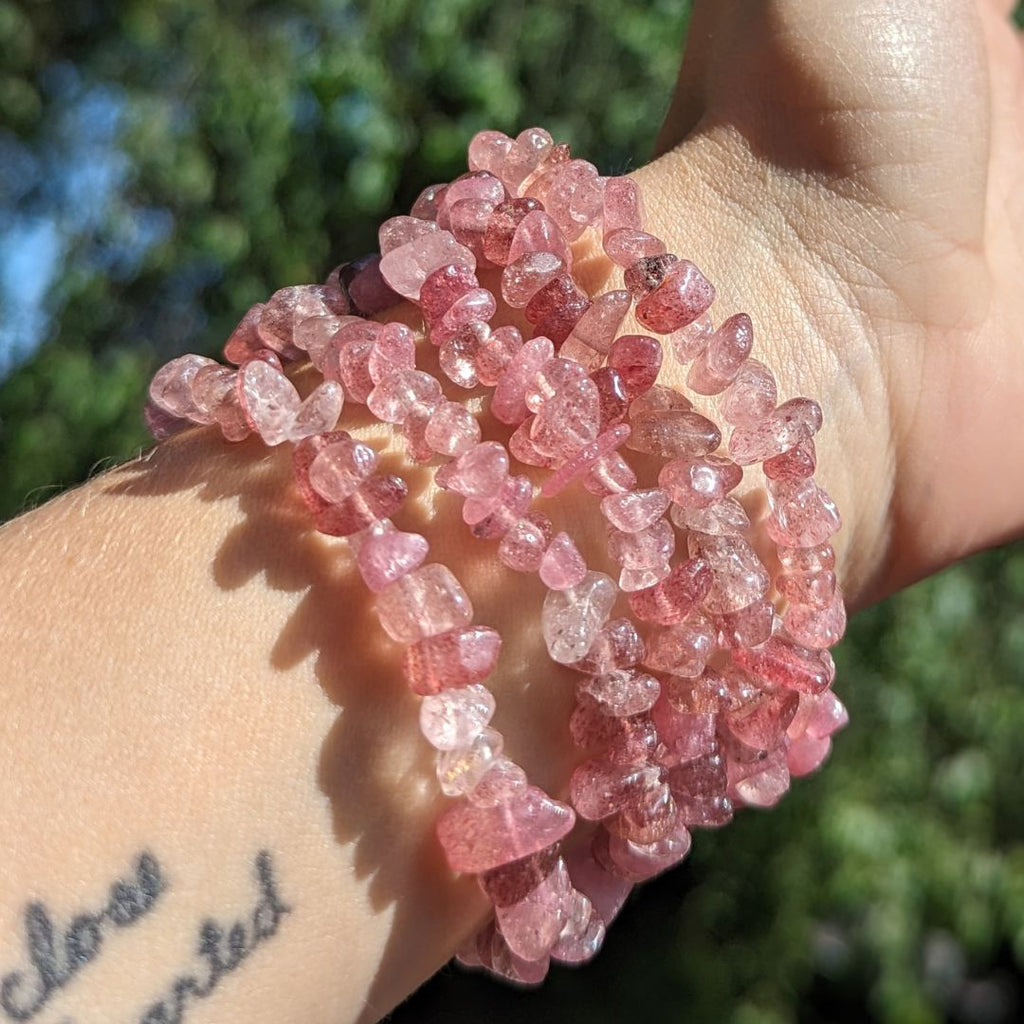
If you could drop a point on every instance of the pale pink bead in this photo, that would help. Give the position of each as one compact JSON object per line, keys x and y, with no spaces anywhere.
{"x":651,"y":817}
{"x":523,"y":547}
{"x":427,"y":601}
{"x":682,"y":649}
{"x":476,"y":185}
{"x":635,"y":510}
{"x":522,"y":279}
{"x":414,"y":432}
{"x":425,"y":206}
{"x":398,"y":231}
{"x":532,"y":926}
{"x":700,"y":482}
{"x":658,"y":399}
{"x":403,"y":393}
{"x":782,"y":663}
{"x":477,"y":473}
{"x":526,"y":152}
{"x":622,"y":692}
{"x":571,"y":618}
{"x":574,"y":349}
{"x":611,"y":474}
{"x":568,"y":420}
{"x":319,"y":411}
{"x":674,"y":433}
{"x":716,"y":367}
{"x":700,"y":788}
{"x":455,"y":717}
{"x":537,"y":232}
{"x":495,"y":353}
{"x":476,"y":305}
{"x":806,"y":755}
{"x":506,"y":964}
{"x":487,"y":151}
{"x":288,"y":307}
{"x":690,"y":341}
{"x":767,"y":786}
{"x":606,"y":892}
{"x":508,"y":403}
{"x":803,"y":514}
{"x":643,"y":548}
{"x":634,"y":579}
{"x":625,"y":246}
{"x":244,"y":340}
{"x":315,"y":334}
{"x":384,"y":558}
{"x":816,"y":627}
{"x":783,"y":428}
{"x":467,"y":221}
{"x":171,"y":388}
{"x":268,"y":400}
{"x":638,"y":862}
{"x":684,"y":294}
{"x":491,"y":516}
{"x":820,"y":558}
{"x":598,"y":789}
{"x":502,"y":780}
{"x":460,"y":770}
{"x":458,"y":355}
{"x":407,"y":267}
{"x":376,"y":498}
{"x":674,"y":597}
{"x":622,"y":205}
{"x":209,"y":388}
{"x":820,"y":715}
{"x":552,"y":377}
{"x":452,"y":429}
{"x":750,"y":397}
{"x":683,"y":736}
{"x":456,"y":658}
{"x":347,"y":358}
{"x":589,"y":459}
{"x":813,"y":588}
{"x":599,"y":325}
{"x":739,"y":577}
{"x":562,"y":565}
{"x":706,"y":694}
{"x":725,"y":516}
{"x":616,"y":645}
{"x":478,"y":839}
{"x":582,"y":934}
{"x":521,"y":446}
{"x":574,"y":197}
{"x":746,"y":627}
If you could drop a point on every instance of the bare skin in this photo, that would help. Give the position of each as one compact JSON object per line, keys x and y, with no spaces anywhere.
{"x":193,"y":675}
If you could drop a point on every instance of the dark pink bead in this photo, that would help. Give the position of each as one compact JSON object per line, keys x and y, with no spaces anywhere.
{"x":637,"y":357}
{"x":556,"y":308}
{"x":442,"y":287}
{"x":501,"y":227}
{"x":783,"y":663}
{"x":684,"y":294}
{"x":798,"y":463}
{"x":674,"y":597}
{"x":614,"y":397}
{"x":700,"y":789}
{"x":456,"y":658}
{"x":647,"y":273}
{"x":379,"y":498}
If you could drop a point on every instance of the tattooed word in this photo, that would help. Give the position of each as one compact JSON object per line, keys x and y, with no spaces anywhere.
{"x":23,"y":993}
{"x":223,"y":948}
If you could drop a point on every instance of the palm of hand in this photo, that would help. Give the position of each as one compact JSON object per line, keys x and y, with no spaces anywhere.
{"x":851,"y":175}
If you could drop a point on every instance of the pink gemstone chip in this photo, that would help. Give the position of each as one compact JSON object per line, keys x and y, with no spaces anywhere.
{"x":385,"y":557}
{"x":406,"y":268}
{"x":684,"y":294}
{"x":425,"y":602}
{"x":674,"y":597}
{"x":562,"y":566}
{"x":456,"y":658}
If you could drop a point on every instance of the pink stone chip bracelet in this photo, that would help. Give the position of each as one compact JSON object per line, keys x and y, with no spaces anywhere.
{"x":703,"y":674}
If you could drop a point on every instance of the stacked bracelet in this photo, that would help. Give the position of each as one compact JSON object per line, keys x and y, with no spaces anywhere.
{"x":705,"y":696}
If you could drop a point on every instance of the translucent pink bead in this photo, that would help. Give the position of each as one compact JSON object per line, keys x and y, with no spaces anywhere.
{"x":637,"y":357}
{"x":425,"y":206}
{"x":501,"y":227}
{"x":589,"y":459}
{"x":761,"y":723}
{"x":524,"y":277}
{"x":816,"y":627}
{"x":643,"y":548}
{"x":637,"y":862}
{"x":526,"y":152}
{"x":806,"y":754}
{"x":599,"y":325}
{"x":562,"y":565}
{"x":803,"y":514}
{"x":491,"y":517}
{"x":622,"y":692}
{"x":819,"y":715}
{"x":684,"y":294}
{"x":521,"y":446}
{"x":750,"y":397}
{"x":347,"y":358}
{"x":478,"y":305}
{"x":319,"y":411}
{"x":244,"y":341}
{"x":478,"y":839}
{"x":502,"y":780}
{"x":820,"y":558}
{"x":487,"y":151}
{"x":625,"y":246}
{"x":682,"y":736}
{"x":650,"y":818}
{"x":458,"y":355}
{"x":659,"y":399}
{"x":598,"y":789}
{"x":783,"y":428}
{"x":480,"y":186}
{"x":467,"y":221}
{"x":477,"y":473}
{"x":571,"y":618}
{"x":798,"y":463}
{"x":427,"y":601}
{"x":700,"y":788}
{"x":622,"y":205}
{"x":707,"y":694}
{"x":611,"y":474}
{"x":368,"y":292}
{"x":674,"y":597}
{"x":508,"y":401}
{"x":538,"y":232}
{"x":647,"y":273}
{"x":442,"y":287}
{"x":690,"y":341}
{"x":606,"y":892}
{"x":582,"y":934}
{"x":568,"y":420}
{"x":523,"y":547}
{"x":268,"y":399}
{"x":455,"y":717}
{"x":171,"y":388}
{"x":746,"y":627}
{"x":557,"y":308}
{"x":456,"y":658}
{"x":394,"y":350}
{"x":551,"y":378}
{"x":396,"y":397}
{"x":398,"y":231}
{"x":813,"y":588}
{"x":682,"y":649}
{"x":386,"y":557}
{"x":633,"y":579}
{"x":288,"y":307}
{"x":339,"y":467}
{"x":716,"y":367}
{"x":459,"y":771}
{"x":495,"y":353}
{"x":407,"y":267}
{"x":574,"y":197}
{"x":532,"y":926}
{"x":377,"y":498}
{"x":739,"y":577}
{"x":674,"y":432}
{"x":725,"y":516}
{"x":616,"y":645}
{"x":782,"y":663}
{"x":698,"y":483}
{"x":452,"y":429}
{"x":611,"y":392}
{"x":766,"y":786}
{"x":635,"y":510}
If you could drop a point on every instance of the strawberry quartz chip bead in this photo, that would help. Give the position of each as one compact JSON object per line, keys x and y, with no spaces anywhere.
{"x":426,"y":602}
{"x":273,"y":409}
{"x":572,"y":618}
{"x":458,"y":657}
{"x":683,"y":295}
{"x":406,"y":268}
{"x":783,"y":428}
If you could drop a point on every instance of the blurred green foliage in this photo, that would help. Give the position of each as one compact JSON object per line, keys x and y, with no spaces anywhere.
{"x":261,"y":143}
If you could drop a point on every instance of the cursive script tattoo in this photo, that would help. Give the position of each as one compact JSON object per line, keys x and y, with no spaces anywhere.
{"x":223,"y":948}
{"x":23,"y":993}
